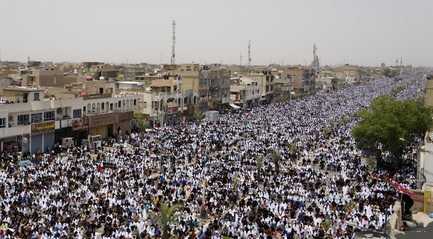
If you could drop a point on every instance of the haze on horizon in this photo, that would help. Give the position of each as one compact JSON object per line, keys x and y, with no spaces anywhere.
{"x":366,"y":32}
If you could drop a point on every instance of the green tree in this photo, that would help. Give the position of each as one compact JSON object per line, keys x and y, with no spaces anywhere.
{"x":389,"y":125}
{"x":389,"y":72}
{"x":165,"y":217}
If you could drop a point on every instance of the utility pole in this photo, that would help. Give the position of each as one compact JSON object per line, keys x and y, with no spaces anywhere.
{"x":401,"y":65}
{"x":173,"y":44}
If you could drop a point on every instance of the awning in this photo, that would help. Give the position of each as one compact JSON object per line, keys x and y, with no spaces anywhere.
{"x":234,"y":106}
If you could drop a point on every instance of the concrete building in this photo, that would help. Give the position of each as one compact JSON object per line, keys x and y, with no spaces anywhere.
{"x":245,"y":92}
{"x":52,"y":77}
{"x":33,"y":123}
{"x":192,"y":88}
{"x":425,"y":162}
{"x":425,"y":159}
{"x":302,"y":79}
{"x":325,"y":80}
{"x":218,"y":81}
{"x":350,"y":74}
{"x":265,"y":82}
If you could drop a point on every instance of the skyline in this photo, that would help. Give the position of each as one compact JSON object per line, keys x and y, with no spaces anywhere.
{"x":345,"y":32}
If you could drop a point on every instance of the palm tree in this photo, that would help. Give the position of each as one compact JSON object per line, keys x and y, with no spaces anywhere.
{"x":259,"y":163}
{"x":165,"y":217}
{"x":276,"y":157}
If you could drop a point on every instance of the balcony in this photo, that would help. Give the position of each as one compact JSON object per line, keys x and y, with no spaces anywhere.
{"x":15,"y":131}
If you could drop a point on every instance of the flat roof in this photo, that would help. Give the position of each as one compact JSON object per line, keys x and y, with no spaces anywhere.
{"x":23,"y":89}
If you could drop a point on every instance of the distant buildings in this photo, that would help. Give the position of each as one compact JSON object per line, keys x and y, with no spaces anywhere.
{"x":30,"y":122}
{"x":218,"y":80}
{"x":302,"y":78}
{"x":245,"y":92}
{"x":55,"y":101}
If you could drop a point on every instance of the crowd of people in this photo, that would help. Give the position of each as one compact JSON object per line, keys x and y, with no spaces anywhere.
{"x":284,"y":170}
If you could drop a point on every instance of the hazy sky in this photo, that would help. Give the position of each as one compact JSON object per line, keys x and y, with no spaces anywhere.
{"x":282,"y":31}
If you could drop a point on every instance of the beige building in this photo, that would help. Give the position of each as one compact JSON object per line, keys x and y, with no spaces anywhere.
{"x":32,"y":122}
{"x":428,"y":96}
{"x":350,"y":74}
{"x":302,"y":79}
{"x":265,"y":82}
{"x":52,"y":77}
{"x":245,"y":92}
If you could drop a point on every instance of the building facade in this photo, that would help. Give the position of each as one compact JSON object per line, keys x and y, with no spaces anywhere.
{"x":32,"y":123}
{"x":302,"y":79}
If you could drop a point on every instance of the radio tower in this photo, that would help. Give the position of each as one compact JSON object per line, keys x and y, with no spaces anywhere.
{"x":249,"y":53}
{"x":173,"y":44}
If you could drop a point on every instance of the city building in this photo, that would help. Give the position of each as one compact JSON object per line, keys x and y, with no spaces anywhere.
{"x":32,"y":122}
{"x":265,"y":82}
{"x":244,"y":92}
{"x":425,"y":159}
{"x":52,"y":77}
{"x":350,"y":74}
{"x":194,"y":89}
{"x":218,"y":81}
{"x":302,"y":78}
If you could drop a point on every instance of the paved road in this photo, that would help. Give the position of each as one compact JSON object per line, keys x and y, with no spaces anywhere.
{"x":418,"y":233}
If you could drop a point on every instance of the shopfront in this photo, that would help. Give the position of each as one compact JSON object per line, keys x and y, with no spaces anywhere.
{"x":80,"y":130}
{"x":123,"y":124}
{"x":42,"y":137}
{"x":102,"y":125}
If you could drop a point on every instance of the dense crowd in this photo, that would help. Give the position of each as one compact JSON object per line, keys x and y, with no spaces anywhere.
{"x":284,"y":170}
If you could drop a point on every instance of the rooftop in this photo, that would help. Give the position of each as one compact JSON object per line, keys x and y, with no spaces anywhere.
{"x":23,"y":89}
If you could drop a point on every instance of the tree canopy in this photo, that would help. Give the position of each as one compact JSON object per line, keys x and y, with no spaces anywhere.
{"x":390,"y":125}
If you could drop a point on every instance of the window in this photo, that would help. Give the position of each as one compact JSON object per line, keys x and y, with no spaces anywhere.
{"x":77,"y":113}
{"x":135,"y":101}
{"x":119,"y":104}
{"x":93,"y":108}
{"x":2,"y":122}
{"x":84,"y":109}
{"x":102,"y":106}
{"x":36,"y":118}
{"x":111,"y":106}
{"x":23,"y":119}
{"x":36,"y":97}
{"x":144,"y":105}
{"x":89,"y":108}
{"x":48,"y":116}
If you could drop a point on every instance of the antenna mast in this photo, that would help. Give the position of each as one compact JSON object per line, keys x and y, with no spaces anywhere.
{"x":173,"y":44}
{"x":249,"y":53}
